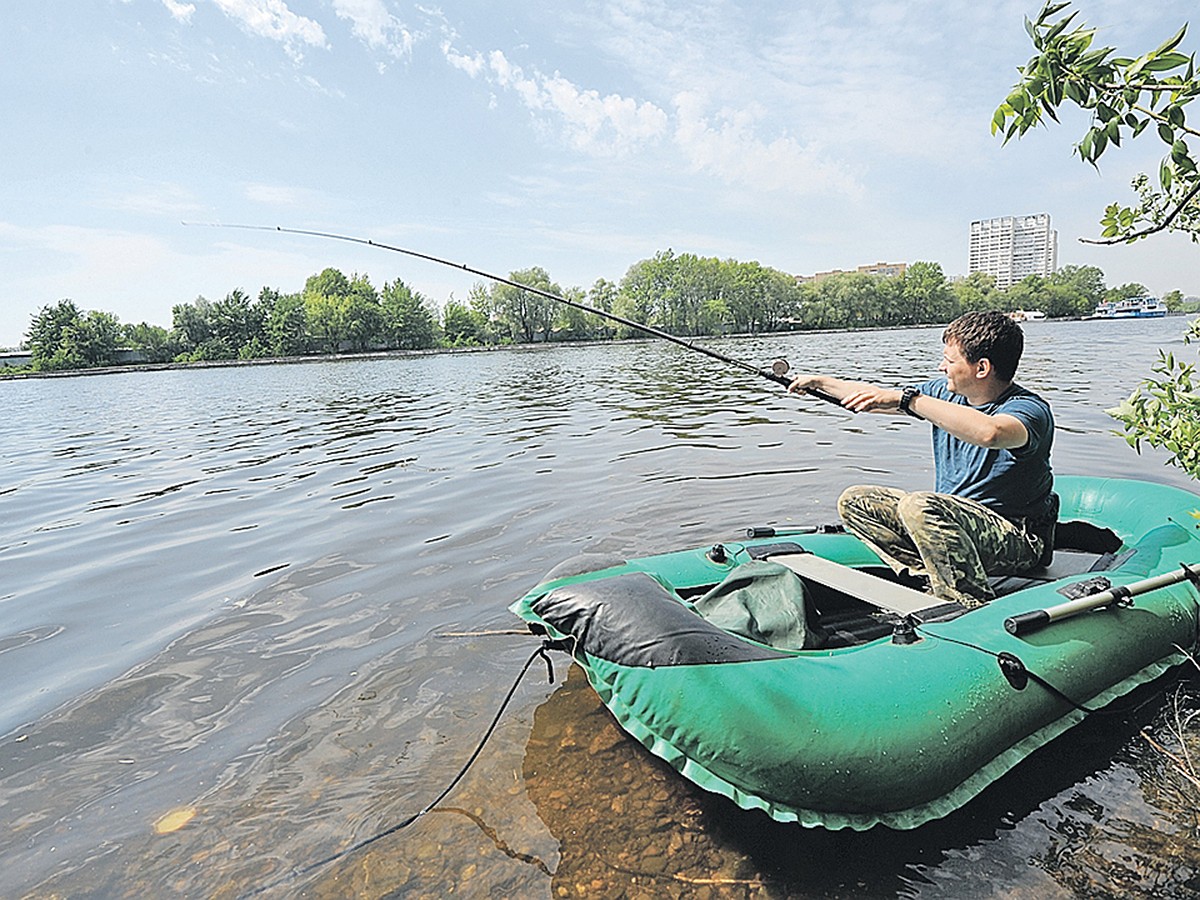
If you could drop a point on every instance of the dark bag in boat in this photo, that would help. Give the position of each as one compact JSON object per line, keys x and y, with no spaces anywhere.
{"x":1043,"y":524}
{"x":763,"y":601}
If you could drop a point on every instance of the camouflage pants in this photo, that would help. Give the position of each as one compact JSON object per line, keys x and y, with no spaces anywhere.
{"x":956,"y":542}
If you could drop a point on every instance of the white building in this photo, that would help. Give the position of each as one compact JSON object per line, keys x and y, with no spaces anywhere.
{"x":1011,"y":247}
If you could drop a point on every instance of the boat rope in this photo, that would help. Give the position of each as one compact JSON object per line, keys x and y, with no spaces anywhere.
{"x":542,"y":652}
{"x":1015,"y":670}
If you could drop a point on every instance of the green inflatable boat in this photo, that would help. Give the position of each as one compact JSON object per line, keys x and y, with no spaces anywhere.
{"x":793,"y":672}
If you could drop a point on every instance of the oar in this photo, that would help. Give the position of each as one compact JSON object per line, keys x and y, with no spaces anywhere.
{"x":1031,"y":621}
{"x":777,"y":373}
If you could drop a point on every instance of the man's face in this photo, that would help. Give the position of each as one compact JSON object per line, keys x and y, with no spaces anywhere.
{"x":960,"y":374}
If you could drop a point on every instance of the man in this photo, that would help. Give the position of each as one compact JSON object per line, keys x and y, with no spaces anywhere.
{"x":994,"y":509}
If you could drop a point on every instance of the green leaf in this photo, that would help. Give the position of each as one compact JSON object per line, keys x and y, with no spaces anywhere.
{"x":1166,"y":62}
{"x":1166,"y":132}
{"x":1058,"y":29}
{"x":1173,"y":42}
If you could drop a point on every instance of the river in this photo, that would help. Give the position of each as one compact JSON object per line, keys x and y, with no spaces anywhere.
{"x":247,"y":621}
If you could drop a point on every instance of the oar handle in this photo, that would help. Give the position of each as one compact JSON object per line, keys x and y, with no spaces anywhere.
{"x":1028,"y":622}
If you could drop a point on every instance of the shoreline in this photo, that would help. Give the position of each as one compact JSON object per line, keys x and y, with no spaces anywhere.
{"x":488,"y":348}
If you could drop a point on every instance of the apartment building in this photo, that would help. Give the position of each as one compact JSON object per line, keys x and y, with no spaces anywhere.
{"x":1011,"y":247}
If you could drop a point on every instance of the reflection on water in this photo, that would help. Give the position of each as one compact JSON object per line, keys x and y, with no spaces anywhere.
{"x":226,"y":592}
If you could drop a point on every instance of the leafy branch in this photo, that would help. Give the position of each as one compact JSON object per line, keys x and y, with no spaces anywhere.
{"x":1125,"y":95}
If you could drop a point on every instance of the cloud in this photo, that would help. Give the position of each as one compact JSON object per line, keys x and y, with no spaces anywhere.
{"x":150,"y":198}
{"x":278,"y":195}
{"x":740,"y":147}
{"x":375,"y":26}
{"x":181,"y":11}
{"x":727,"y":145}
{"x":605,"y":125}
{"x":274,"y":20}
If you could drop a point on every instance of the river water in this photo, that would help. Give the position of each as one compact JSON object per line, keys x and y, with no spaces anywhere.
{"x":247,"y":616}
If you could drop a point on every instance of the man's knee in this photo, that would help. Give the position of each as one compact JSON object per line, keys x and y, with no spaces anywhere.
{"x":851,"y":499}
{"x":914,"y":509}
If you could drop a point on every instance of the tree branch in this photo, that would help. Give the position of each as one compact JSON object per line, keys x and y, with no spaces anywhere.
{"x":1159,"y":117}
{"x":1161,"y":226}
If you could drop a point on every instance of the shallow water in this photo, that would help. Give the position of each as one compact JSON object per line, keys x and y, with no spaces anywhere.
{"x":241,"y":617}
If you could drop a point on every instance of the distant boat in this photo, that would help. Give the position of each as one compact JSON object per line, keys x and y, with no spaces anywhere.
{"x":1131,"y":308}
{"x":1027,"y":315}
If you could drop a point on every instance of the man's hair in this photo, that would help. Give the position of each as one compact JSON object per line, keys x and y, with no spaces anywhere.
{"x":988,"y":335}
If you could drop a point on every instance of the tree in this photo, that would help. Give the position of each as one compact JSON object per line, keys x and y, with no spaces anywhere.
{"x":1124,"y":95}
{"x":47,"y":328}
{"x":1125,"y":292}
{"x":925,"y":295}
{"x":461,"y":325}
{"x":523,"y":314}
{"x":1078,"y":289}
{"x":287,"y":325}
{"x":153,"y":342}
{"x":408,"y":323}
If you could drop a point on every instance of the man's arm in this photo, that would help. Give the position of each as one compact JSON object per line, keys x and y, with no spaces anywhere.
{"x":999,"y":432}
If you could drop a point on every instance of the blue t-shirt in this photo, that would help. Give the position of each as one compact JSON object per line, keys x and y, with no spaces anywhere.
{"x":1014,"y":483}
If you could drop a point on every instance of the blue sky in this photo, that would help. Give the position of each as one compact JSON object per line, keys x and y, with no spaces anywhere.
{"x":577,"y":136}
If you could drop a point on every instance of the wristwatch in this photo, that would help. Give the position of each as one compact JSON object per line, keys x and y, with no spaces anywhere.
{"x":907,"y":396}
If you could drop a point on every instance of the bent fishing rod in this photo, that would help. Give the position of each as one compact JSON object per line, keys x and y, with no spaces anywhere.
{"x":776,"y":373}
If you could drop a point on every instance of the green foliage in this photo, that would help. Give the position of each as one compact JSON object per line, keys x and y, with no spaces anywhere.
{"x":462,"y":326}
{"x":153,"y":342}
{"x":519,"y":315}
{"x":286,"y":326}
{"x":1125,"y":96}
{"x":61,"y":338}
{"x":406,"y":317}
{"x":46,"y":331}
{"x":1164,"y":410}
{"x":682,"y":293}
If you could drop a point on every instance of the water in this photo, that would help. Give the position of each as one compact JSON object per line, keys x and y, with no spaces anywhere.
{"x":244,"y":623}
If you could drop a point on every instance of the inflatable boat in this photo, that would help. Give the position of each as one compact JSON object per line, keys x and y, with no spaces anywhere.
{"x":794,"y":673}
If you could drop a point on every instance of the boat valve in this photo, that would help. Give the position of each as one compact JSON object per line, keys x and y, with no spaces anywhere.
{"x":904,"y":631}
{"x":718,"y":555}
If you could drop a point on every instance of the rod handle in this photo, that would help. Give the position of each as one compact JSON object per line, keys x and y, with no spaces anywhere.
{"x":1027,"y":622}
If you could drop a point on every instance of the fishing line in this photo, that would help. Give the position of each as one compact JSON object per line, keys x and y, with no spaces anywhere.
{"x":541,"y":651}
{"x":777,"y":373}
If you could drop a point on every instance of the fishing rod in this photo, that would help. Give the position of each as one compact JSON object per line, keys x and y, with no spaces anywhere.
{"x":776,"y":373}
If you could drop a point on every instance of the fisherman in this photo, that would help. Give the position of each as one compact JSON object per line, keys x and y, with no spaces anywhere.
{"x":994,"y":509}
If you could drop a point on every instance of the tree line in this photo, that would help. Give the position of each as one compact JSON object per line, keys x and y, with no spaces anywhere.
{"x":680,"y":293}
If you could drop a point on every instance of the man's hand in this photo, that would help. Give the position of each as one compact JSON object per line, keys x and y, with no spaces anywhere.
{"x":872,"y":399}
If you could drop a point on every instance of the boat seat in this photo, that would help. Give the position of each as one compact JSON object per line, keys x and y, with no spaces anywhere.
{"x":1066,"y":563}
{"x":880,"y":592}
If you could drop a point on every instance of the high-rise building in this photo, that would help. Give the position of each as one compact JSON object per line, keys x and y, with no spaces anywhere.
{"x":1011,"y":247}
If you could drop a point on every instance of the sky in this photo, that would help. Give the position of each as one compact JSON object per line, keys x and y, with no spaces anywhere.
{"x":579,"y":136}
